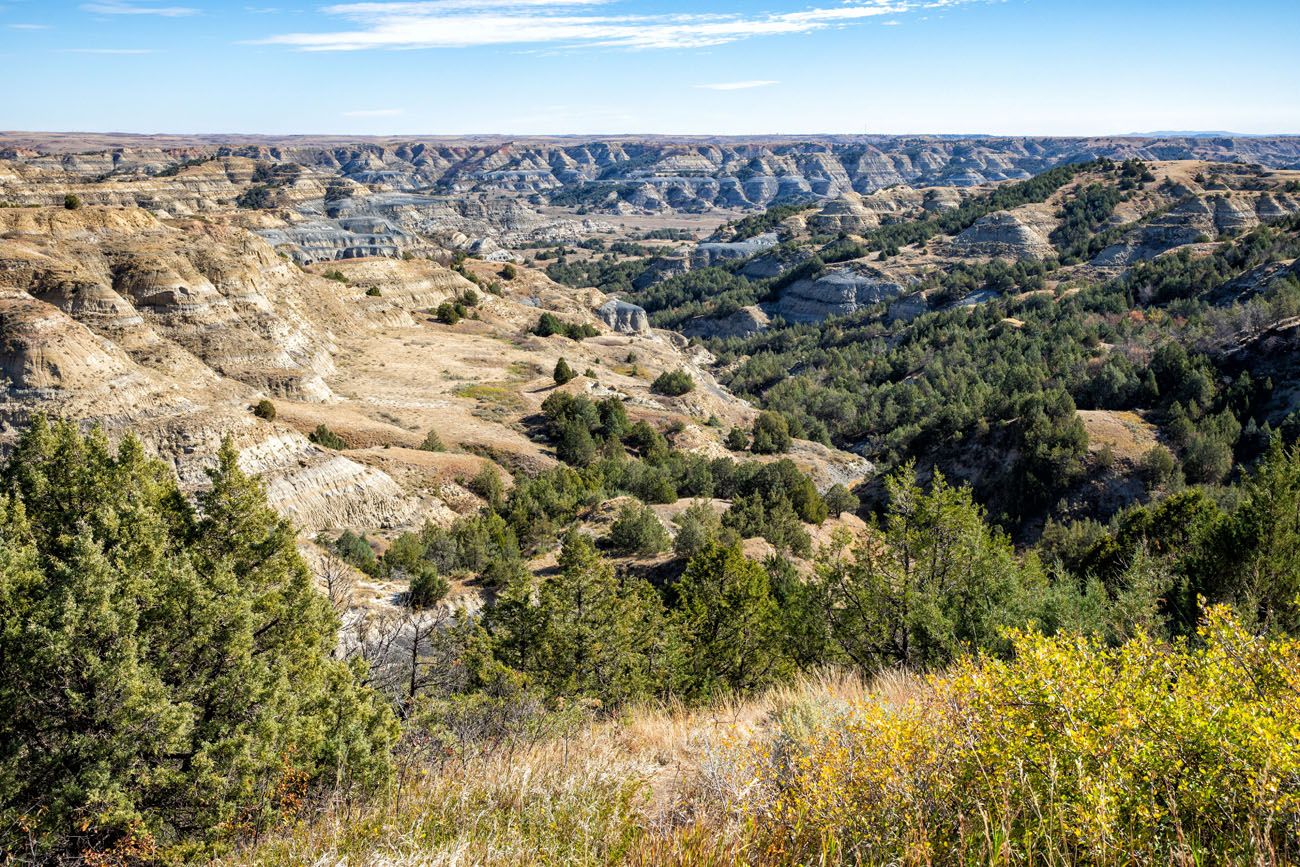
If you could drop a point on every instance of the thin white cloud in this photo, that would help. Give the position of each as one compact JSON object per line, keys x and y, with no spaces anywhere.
{"x":436,"y":7}
{"x":116,"y":8}
{"x":737,"y":85}
{"x":29,"y":27}
{"x":123,"y":51}
{"x":470,"y":23}
{"x":373,"y":112}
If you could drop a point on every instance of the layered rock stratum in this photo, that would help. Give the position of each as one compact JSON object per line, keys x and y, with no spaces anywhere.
{"x":201,"y":276}
{"x":174,"y":328}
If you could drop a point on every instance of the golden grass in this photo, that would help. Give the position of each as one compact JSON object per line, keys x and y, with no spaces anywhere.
{"x":503,"y":394}
{"x":555,"y":803}
{"x":653,"y":786}
{"x":1073,"y":753}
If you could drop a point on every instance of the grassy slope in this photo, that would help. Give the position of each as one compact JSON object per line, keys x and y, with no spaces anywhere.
{"x":1070,"y":753}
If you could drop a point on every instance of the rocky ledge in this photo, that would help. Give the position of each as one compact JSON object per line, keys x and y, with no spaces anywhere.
{"x":838,"y":292}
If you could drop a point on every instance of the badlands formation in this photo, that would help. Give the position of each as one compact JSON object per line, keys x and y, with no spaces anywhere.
{"x":199,"y":277}
{"x":173,"y":329}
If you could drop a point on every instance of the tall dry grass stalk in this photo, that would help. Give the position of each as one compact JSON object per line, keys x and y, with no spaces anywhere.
{"x":1072,"y":753}
{"x":655,"y":785}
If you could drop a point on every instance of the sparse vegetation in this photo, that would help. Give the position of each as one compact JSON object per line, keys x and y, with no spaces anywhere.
{"x":264,"y":409}
{"x":256,"y":197}
{"x":432,"y":442}
{"x":563,"y":373}
{"x":450,"y":312}
{"x":323,"y":436}
{"x":673,"y":383}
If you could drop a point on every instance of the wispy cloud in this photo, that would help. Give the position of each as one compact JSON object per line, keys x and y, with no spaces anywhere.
{"x":29,"y":27}
{"x":737,"y":85}
{"x":437,"y":7}
{"x":122,"y":8}
{"x":373,"y":112}
{"x":469,"y":23}
{"x":122,"y":51}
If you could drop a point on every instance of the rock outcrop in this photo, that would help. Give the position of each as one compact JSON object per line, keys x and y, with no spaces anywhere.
{"x":332,"y":200}
{"x":838,"y":292}
{"x":845,"y":214}
{"x":1004,"y":234}
{"x":907,"y":307}
{"x":624,"y":317}
{"x":661,"y":269}
{"x":741,"y":323}
{"x":1197,"y":219}
{"x":169,"y":331}
{"x":716,"y":252}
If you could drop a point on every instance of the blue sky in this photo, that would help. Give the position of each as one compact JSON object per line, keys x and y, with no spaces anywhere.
{"x":450,"y":67}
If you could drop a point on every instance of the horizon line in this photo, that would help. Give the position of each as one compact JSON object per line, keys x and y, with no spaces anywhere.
{"x":654,"y":135}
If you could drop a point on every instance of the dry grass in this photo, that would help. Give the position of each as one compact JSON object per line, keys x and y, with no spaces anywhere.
{"x":1126,"y":434}
{"x":1060,"y":757}
{"x":563,"y":802}
{"x":651,"y":787}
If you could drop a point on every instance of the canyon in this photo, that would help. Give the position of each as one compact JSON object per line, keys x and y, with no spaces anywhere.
{"x":195,"y":277}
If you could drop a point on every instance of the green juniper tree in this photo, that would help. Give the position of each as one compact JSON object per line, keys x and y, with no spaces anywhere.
{"x":163,"y":668}
{"x":563,"y":373}
{"x":942,"y":581}
{"x":727,"y":616}
{"x":771,"y":434}
{"x":592,"y":634}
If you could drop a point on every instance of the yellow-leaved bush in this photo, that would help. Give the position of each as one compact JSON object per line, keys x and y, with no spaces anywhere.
{"x":1071,"y":752}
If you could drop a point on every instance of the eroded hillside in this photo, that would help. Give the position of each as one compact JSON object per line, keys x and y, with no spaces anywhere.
{"x":184,"y":282}
{"x":175,"y":328}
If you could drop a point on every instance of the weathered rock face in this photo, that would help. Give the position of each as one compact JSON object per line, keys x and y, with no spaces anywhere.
{"x":741,"y":323}
{"x":614,"y":176}
{"x":327,"y":240}
{"x":318,"y":488}
{"x":848,"y":214}
{"x":333,"y":201}
{"x":1004,"y":234}
{"x":170,"y":331}
{"x":716,"y":252}
{"x":624,"y":317}
{"x":1255,"y":282}
{"x":1194,"y":219}
{"x":837,"y":293}
{"x":661,"y":269}
{"x":219,"y":295}
{"x":907,"y":308}
{"x":775,"y":261}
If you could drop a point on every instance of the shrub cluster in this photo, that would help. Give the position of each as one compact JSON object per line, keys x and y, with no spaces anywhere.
{"x":323,"y":436}
{"x":673,"y":383}
{"x":1071,"y":751}
{"x":549,"y":324}
{"x":167,"y":681}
